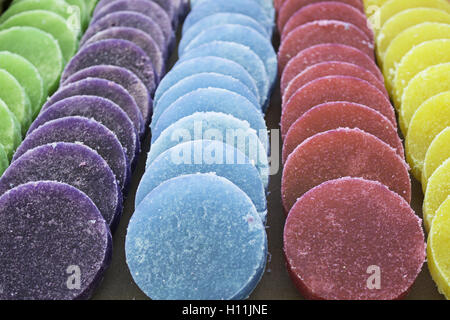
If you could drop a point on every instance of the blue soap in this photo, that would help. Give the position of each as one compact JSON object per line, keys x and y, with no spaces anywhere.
{"x":205,"y":64}
{"x":201,"y":80}
{"x":240,"y":54}
{"x":205,"y":156}
{"x":219,"y":127}
{"x":196,"y":237}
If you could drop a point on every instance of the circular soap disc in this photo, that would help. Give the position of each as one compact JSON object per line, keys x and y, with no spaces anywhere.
{"x":334,"y":115}
{"x":205,"y":156}
{"x":326,"y":52}
{"x":83,"y":169}
{"x":205,"y":231}
{"x":334,"y":88}
{"x":437,"y":153}
{"x":82,"y":9}
{"x":99,"y":109}
{"x":4,"y":162}
{"x":342,"y":153}
{"x":10,"y":135}
{"x":363,"y":241}
{"x":85,"y":131}
{"x":57,"y":233}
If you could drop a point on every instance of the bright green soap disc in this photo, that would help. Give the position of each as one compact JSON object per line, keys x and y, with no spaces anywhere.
{"x":38,"y":47}
{"x":4,"y":163}
{"x":84,"y":17}
{"x":49,"y":22}
{"x":90,"y":6}
{"x":27,"y":75}
{"x":10,"y":136}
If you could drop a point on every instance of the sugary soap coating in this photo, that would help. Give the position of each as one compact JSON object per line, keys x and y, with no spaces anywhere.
{"x":437,"y":153}
{"x":4,"y":162}
{"x":10,"y":135}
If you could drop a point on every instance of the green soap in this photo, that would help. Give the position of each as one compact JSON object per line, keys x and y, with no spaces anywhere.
{"x":4,"y":163}
{"x":28,"y":77}
{"x":10,"y":136}
{"x":38,"y":47}
{"x":84,"y":16}
{"x":13,"y":94}
{"x":51,"y":23}
{"x":90,"y":5}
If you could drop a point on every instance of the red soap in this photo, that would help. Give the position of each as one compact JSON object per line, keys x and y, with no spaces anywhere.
{"x":327,"y":52}
{"x":344,"y":235}
{"x":277,"y":4}
{"x":322,"y":31}
{"x":328,"y":11}
{"x":342,"y":153}
{"x":334,"y":88}
{"x":334,"y":115}
{"x":332,"y":68}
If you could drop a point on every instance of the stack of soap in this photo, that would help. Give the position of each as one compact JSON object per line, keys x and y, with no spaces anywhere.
{"x":87,"y":136}
{"x":341,"y":153}
{"x":201,"y":202}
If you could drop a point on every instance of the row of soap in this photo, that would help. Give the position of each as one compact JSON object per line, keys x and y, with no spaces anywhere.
{"x":345,"y":183}
{"x":201,"y":203}
{"x":413,"y":48}
{"x":77,"y":157}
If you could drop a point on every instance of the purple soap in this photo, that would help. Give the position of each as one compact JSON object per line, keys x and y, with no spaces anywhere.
{"x":105,"y":89}
{"x":57,"y":246}
{"x":71,"y":163}
{"x":101,"y":110}
{"x":85,"y":131}
{"x":115,"y":52}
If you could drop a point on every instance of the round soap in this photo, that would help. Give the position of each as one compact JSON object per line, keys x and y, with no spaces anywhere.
{"x":123,"y":77}
{"x":84,"y":131}
{"x":332,"y":10}
{"x":349,"y":233}
{"x":82,"y":9}
{"x":4,"y":162}
{"x":116,"y":52}
{"x":334,"y":115}
{"x":29,"y":43}
{"x":210,"y":236}
{"x":423,"y":86}
{"x":28,"y":77}
{"x":342,"y":153}
{"x":437,"y":153}
{"x":205,"y":156}
{"x":319,"y":32}
{"x":99,"y":109}
{"x":438,"y":249}
{"x":240,"y":54}
{"x":10,"y":134}
{"x":105,"y":89}
{"x":323,"y":53}
{"x":48,"y":22}
{"x":334,"y":88}
{"x":56,"y":232}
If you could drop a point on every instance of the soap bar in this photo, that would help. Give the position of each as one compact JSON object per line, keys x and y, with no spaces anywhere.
{"x":353,"y":239}
{"x":342,"y":153}
{"x":83,"y":169}
{"x":438,"y":249}
{"x":46,"y":221}
{"x":266,"y":5}
{"x":88,"y":132}
{"x":437,"y":153}
{"x":319,"y":32}
{"x":334,"y":88}
{"x":210,"y":236}
{"x":4,"y":162}
{"x":327,"y":52}
{"x":334,"y":115}
{"x":205,"y":156}
{"x":99,"y":109}
{"x":10,"y":134}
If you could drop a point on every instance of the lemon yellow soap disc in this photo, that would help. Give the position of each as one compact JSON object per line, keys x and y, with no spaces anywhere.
{"x":426,"y":84}
{"x":438,"y":250}
{"x":428,"y":121}
{"x":437,"y":153}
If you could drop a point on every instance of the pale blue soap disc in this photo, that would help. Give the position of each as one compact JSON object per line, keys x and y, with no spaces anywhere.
{"x":204,"y":64}
{"x":205,"y":156}
{"x":201,"y":80}
{"x":196,"y":237}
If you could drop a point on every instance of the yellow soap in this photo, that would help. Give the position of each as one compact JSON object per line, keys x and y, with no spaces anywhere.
{"x":438,"y":190}
{"x":372,"y":9}
{"x":407,"y":40}
{"x":373,"y":3}
{"x":424,"y":85}
{"x":428,"y":121}
{"x":437,"y":153}
{"x":438,"y":250}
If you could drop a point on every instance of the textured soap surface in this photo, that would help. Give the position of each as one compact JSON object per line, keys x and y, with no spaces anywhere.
{"x":343,"y":232}
{"x":4,"y":162}
{"x":84,"y":169}
{"x":334,"y":115}
{"x":10,"y":134}
{"x":334,"y":88}
{"x":342,"y":153}
{"x":437,"y":153}
{"x":221,"y":243}
{"x":205,"y":156}
{"x":266,"y":5}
